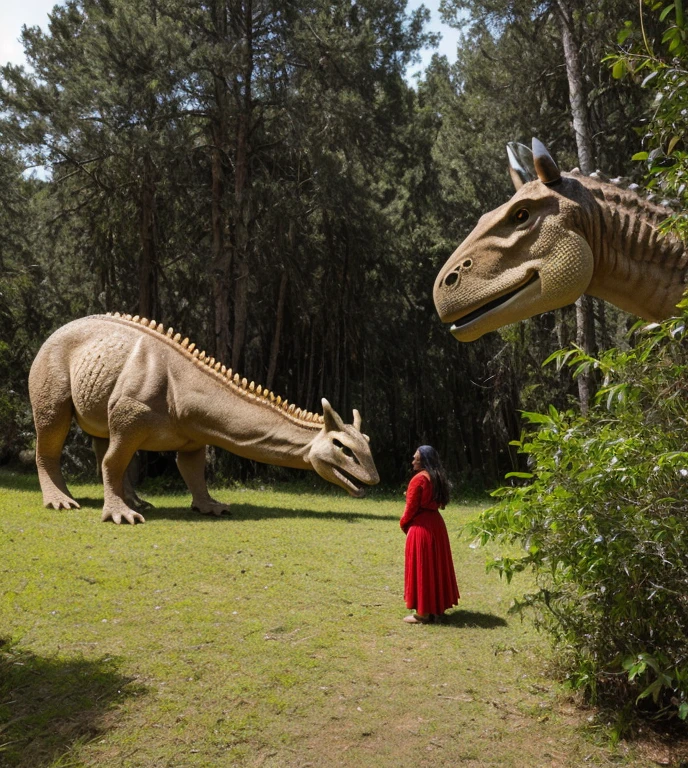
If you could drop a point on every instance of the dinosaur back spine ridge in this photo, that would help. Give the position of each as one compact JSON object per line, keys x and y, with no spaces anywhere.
{"x":241,"y":386}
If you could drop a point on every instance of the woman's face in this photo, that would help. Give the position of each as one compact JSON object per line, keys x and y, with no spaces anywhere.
{"x":415,"y":461}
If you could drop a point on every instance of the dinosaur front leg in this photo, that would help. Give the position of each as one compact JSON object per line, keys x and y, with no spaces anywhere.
{"x":100,"y":446}
{"x":192,"y":468}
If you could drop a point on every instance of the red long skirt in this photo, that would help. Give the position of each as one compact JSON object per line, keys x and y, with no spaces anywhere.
{"x":429,"y":578}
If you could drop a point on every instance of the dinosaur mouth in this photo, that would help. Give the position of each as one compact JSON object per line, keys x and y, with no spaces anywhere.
{"x":462,"y":322}
{"x":350,"y":483}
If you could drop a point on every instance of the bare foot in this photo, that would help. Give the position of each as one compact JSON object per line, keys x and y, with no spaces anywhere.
{"x":416,"y":618}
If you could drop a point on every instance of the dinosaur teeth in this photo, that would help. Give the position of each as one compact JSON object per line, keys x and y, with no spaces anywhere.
{"x":259,"y":389}
{"x":116,"y":314}
{"x":278,"y":400}
{"x":229,"y":373}
{"x":201,"y":356}
{"x":297,"y":413}
{"x":252,"y":386}
{"x":143,"y":321}
{"x":196,"y":353}
{"x":177,"y":337}
{"x":170,"y":332}
{"x":160,"y":328}
{"x":127,"y":317}
{"x":244,"y":383}
{"x":191,"y":347}
{"x":236,"y":378}
{"x":218,"y":366}
{"x":185,"y":343}
{"x":223,"y":369}
{"x":135,"y":319}
{"x":211,"y":362}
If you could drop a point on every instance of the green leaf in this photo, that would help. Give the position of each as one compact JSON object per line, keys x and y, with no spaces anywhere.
{"x":640,"y":156}
{"x":666,"y":12}
{"x":619,"y":69}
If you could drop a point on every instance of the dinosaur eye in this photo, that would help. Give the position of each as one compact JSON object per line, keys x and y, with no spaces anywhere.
{"x":521,"y":216}
{"x":345,"y":450}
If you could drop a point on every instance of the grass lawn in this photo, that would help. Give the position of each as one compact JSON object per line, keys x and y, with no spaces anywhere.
{"x":271,"y":637}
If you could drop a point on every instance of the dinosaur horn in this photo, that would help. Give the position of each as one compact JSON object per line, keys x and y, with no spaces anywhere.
{"x":521,"y":167}
{"x":333,"y":422}
{"x":546,"y":168}
{"x":357,"y":420}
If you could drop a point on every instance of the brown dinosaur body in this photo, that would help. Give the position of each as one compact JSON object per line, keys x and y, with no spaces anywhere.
{"x":559,"y":236}
{"x":132,"y":385}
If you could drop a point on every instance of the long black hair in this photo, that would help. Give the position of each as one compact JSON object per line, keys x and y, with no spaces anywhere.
{"x":431,"y":463}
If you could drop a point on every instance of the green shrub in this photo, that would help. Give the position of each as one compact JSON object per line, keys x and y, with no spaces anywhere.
{"x":602,"y":520}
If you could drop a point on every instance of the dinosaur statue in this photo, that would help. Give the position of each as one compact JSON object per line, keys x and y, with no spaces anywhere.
{"x":129,"y":381}
{"x":560,"y":235}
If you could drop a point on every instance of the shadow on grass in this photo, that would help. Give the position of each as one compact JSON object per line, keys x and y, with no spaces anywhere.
{"x":24,"y":480}
{"x":475,"y":619}
{"x":49,"y":706}
{"x":247,"y":512}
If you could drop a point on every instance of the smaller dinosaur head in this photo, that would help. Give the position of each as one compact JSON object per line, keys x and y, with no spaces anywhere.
{"x":340,"y":453}
{"x":524,"y":258}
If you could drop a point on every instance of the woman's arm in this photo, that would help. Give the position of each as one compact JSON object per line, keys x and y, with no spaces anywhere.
{"x":413,"y":501}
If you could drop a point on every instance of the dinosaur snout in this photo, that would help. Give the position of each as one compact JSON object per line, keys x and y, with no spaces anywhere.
{"x":448,"y":283}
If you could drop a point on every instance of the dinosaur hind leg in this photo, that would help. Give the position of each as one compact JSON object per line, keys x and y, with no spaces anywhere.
{"x":53,"y":419}
{"x":191,"y":465}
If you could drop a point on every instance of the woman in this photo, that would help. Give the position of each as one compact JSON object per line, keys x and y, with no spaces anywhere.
{"x":429,"y":580}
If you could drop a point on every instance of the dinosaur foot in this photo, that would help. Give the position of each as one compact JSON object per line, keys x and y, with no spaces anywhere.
{"x":58,"y":500}
{"x":119,"y":513}
{"x":136,"y":502}
{"x":216,"y":508}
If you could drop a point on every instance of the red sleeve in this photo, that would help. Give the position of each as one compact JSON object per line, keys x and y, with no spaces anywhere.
{"x":414,"y":494}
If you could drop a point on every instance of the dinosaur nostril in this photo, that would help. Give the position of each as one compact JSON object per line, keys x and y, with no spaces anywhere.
{"x":468,"y":263}
{"x":451,"y":278}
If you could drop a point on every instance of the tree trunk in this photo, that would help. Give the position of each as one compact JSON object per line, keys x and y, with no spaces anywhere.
{"x":577,"y":95}
{"x":148,"y":268}
{"x":277,"y":332}
{"x":221,"y":254}
{"x":585,"y":316}
{"x":585,"y":338}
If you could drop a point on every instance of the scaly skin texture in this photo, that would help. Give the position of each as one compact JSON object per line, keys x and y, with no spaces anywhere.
{"x":132,"y":385}
{"x":553,"y":242}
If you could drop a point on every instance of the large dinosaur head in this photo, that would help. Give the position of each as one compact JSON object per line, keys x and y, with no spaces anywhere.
{"x":341,"y":454}
{"x":524,"y":258}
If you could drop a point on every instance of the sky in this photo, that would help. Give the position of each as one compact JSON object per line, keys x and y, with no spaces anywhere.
{"x":13,"y":15}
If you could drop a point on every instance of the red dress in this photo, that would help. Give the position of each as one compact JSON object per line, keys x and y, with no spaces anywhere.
{"x":429,"y":578}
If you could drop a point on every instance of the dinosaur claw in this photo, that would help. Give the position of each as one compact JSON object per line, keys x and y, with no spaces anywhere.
{"x":214,"y":508}
{"x":129,"y":515}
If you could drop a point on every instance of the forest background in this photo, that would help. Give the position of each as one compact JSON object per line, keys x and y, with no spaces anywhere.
{"x":262,"y":176}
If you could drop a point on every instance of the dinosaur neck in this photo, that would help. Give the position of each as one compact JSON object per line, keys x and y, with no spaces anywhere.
{"x":636,"y":267}
{"x":249,"y":427}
